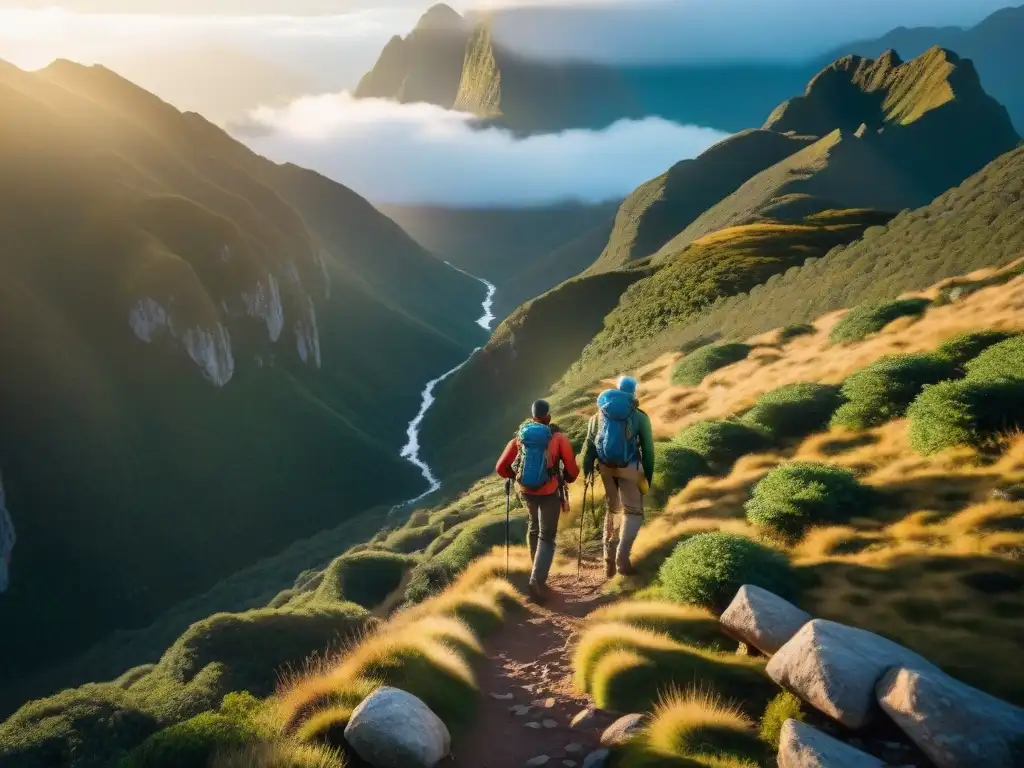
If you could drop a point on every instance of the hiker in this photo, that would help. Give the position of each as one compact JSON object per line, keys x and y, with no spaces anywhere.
{"x":540,"y":459}
{"x":621,"y":446}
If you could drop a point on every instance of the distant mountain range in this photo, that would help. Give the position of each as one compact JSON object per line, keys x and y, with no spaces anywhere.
{"x":454,"y":63}
{"x":193,"y":336}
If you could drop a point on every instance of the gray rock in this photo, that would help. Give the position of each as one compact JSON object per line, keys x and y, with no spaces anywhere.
{"x":550,"y":724}
{"x":835,"y":668}
{"x":569,"y":763}
{"x":7,"y":541}
{"x":574,"y":748}
{"x":394,"y":729}
{"x":801,"y":746}
{"x":765,"y":621}
{"x":538,"y":760}
{"x":520,"y":710}
{"x":502,"y":696}
{"x":622,"y":730}
{"x":598,"y":759}
{"x":533,"y":724}
{"x":953,"y":724}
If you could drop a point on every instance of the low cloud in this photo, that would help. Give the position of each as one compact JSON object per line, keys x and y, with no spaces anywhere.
{"x":419,"y":153}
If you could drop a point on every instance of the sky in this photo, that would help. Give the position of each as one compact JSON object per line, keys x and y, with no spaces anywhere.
{"x":395,"y":153}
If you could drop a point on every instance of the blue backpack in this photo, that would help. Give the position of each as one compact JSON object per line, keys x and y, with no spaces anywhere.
{"x":616,"y":444}
{"x":532,"y":471}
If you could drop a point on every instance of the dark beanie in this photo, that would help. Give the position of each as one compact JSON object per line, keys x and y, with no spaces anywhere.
{"x":541,"y":409}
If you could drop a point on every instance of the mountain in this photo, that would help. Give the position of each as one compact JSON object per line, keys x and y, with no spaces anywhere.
{"x":522,"y":251}
{"x":866,"y":139}
{"x":206,"y":355}
{"x":993,"y":45}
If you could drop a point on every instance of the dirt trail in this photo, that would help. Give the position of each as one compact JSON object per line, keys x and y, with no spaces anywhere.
{"x":528,"y":664}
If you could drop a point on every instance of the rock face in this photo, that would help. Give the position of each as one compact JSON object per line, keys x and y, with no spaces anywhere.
{"x":835,"y":668}
{"x":759,"y":618}
{"x":7,"y":539}
{"x":622,"y":730}
{"x":394,"y":729}
{"x":955,"y":725}
{"x":802,"y":746}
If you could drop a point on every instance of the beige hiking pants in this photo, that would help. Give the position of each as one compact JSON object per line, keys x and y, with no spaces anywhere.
{"x":622,"y":490}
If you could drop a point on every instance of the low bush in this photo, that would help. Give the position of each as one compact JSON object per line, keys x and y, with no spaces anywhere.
{"x":885,"y":389}
{"x":428,"y":579}
{"x":695,"y":729}
{"x":969,"y":412}
{"x":963,"y":348}
{"x":794,"y":496}
{"x":709,"y":568}
{"x":192,"y":743}
{"x":721,"y":443}
{"x":696,"y":366}
{"x":364,"y":578}
{"x":1002,"y":361}
{"x":409,"y":540}
{"x":865,"y":319}
{"x":783,"y":707}
{"x":674,"y":467}
{"x":790,"y":332}
{"x":794,"y":411}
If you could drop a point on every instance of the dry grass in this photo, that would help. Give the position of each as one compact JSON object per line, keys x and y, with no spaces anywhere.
{"x":280,"y":754}
{"x":685,"y":623}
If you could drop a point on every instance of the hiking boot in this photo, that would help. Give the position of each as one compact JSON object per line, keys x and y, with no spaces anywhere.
{"x":609,"y":569}
{"x":627,"y":569}
{"x":538,"y":593}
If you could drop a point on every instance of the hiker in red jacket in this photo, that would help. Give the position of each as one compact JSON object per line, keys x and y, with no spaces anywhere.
{"x":539,"y":458}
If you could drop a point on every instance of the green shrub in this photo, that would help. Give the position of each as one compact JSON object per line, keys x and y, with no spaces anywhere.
{"x":967,"y":412}
{"x":863,"y":320}
{"x":790,"y":332}
{"x":191,"y":743}
{"x":709,"y":568}
{"x":575,"y":428}
{"x":885,"y":389}
{"x":696,"y":366}
{"x":674,"y":467}
{"x":783,"y":707}
{"x":963,"y":348}
{"x":793,"y":497}
{"x":364,"y":578}
{"x":428,"y":579}
{"x":721,"y":443}
{"x":1004,"y":360}
{"x":794,"y":411}
{"x":87,"y":727}
{"x":409,"y":540}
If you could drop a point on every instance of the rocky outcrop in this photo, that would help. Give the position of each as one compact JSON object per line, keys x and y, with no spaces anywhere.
{"x":759,"y":618}
{"x":394,"y":729}
{"x":7,"y":540}
{"x":835,"y":668}
{"x":208,"y":347}
{"x":955,"y":725}
{"x":802,"y":746}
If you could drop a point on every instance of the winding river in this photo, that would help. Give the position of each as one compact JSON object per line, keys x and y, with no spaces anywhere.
{"x":411,"y":450}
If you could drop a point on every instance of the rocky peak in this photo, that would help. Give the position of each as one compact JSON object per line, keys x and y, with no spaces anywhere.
{"x":441,"y":17}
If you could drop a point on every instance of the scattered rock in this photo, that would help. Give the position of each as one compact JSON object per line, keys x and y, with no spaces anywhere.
{"x":584,"y":719}
{"x":765,"y":621}
{"x":801,"y":746}
{"x":520,"y":710}
{"x":574,"y":748}
{"x":569,"y":763}
{"x":598,"y":759}
{"x":534,"y":725}
{"x":392,"y":728}
{"x":955,"y":725}
{"x":550,"y":724}
{"x":545,"y":703}
{"x":835,"y":668}
{"x":538,"y":760}
{"x":502,"y":696}
{"x":622,"y":730}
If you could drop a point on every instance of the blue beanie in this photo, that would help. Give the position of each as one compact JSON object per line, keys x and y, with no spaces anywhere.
{"x":627,"y":384}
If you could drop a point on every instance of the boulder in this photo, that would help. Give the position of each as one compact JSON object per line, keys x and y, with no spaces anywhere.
{"x":757,"y":617}
{"x":801,"y":746}
{"x":394,"y":729}
{"x":598,"y":759}
{"x":955,"y":725}
{"x":835,"y":668}
{"x":622,"y":730}
{"x":7,"y":539}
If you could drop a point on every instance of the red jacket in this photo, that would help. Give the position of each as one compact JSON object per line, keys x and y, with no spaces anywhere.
{"x":559,"y":450}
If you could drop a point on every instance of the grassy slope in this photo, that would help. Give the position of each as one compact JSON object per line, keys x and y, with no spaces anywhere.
{"x":111,"y":196}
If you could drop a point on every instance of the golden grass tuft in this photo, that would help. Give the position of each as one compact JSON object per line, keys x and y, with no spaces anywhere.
{"x":280,"y":754}
{"x":686,"y":623}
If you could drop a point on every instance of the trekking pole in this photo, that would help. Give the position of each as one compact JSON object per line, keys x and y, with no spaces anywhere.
{"x":583,"y":517}
{"x":508,"y":520}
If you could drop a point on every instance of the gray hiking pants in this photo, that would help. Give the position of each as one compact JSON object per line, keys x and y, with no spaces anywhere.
{"x":622,"y":490}
{"x":544,"y":512}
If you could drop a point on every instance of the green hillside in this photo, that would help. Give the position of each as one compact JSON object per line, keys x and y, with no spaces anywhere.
{"x":213,"y":356}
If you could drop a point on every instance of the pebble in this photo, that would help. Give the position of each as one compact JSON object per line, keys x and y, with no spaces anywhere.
{"x":598,"y":759}
{"x":574,"y":748}
{"x":550,"y":724}
{"x":538,"y":760}
{"x":569,"y":763}
{"x":532,"y":725}
{"x":502,"y":696}
{"x":520,"y":710}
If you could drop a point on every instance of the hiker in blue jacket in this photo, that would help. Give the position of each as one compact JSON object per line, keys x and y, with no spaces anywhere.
{"x":620,"y":445}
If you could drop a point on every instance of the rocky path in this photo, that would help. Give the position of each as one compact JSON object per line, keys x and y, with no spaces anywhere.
{"x":528,"y":702}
